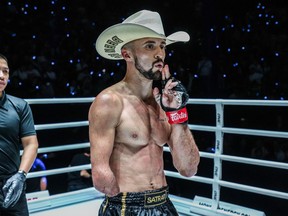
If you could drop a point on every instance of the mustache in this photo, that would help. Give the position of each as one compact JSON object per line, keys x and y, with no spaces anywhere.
{"x":158,"y":61}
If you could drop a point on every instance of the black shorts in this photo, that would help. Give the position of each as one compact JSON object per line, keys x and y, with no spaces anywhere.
{"x":153,"y":202}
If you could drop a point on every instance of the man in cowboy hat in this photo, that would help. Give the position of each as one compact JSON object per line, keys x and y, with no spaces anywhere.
{"x":130,"y":122}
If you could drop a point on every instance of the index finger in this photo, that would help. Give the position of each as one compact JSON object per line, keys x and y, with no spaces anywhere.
{"x":165,"y":73}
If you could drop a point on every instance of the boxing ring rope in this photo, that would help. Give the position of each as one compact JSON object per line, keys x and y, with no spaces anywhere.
{"x":183,"y":205}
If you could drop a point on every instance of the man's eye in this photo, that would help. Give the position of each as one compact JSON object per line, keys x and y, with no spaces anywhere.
{"x":5,"y":71}
{"x":150,"y":46}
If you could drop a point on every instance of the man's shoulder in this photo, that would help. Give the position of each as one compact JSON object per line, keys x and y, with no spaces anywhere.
{"x":19,"y":104}
{"x":111,"y":94}
{"x":14,"y":97}
{"x":16,"y":100}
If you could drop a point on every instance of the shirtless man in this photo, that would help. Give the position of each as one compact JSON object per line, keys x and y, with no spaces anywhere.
{"x":128,"y":126}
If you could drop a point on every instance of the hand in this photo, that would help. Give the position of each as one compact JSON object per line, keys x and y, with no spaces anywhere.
{"x":173,"y":99}
{"x":13,"y":189}
{"x":174,"y":95}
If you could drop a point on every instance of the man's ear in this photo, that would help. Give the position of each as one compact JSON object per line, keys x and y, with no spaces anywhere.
{"x":126,"y":55}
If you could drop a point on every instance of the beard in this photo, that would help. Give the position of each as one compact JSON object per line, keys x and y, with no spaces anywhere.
{"x":149,"y":74}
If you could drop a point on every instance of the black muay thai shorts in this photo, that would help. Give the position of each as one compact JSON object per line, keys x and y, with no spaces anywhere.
{"x":147,"y":203}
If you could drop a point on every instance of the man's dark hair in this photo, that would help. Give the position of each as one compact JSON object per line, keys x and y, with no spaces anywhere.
{"x":3,"y":57}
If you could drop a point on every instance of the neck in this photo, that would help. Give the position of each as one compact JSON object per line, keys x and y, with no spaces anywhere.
{"x":139,"y":85}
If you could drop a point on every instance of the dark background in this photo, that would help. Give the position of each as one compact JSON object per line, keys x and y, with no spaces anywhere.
{"x":246,"y":42}
{"x":51,"y":53}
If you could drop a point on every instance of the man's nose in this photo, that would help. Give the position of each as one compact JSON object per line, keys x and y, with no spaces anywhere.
{"x":2,"y":76}
{"x":159,"y":55}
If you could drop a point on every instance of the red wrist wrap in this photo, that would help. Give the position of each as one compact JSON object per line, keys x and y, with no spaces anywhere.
{"x":177,"y":116}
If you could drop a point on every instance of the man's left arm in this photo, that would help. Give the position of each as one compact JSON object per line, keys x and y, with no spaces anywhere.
{"x":14,"y":186}
{"x":184,"y":150}
{"x":30,"y":148}
{"x":173,"y":100}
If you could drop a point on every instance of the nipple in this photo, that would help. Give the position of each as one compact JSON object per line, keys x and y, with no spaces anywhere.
{"x":134,"y":136}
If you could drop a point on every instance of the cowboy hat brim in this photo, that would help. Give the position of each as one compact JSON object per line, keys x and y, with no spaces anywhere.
{"x":111,"y":40}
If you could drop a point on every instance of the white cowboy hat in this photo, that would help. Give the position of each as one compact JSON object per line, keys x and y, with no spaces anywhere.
{"x":142,"y":24}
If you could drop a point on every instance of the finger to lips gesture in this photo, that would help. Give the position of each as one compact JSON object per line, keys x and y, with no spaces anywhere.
{"x":169,"y":98}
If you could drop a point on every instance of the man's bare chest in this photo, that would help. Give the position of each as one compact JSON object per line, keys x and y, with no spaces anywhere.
{"x":141,"y":123}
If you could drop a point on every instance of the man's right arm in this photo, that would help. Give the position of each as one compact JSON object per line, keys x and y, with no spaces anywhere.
{"x":103,"y":118}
